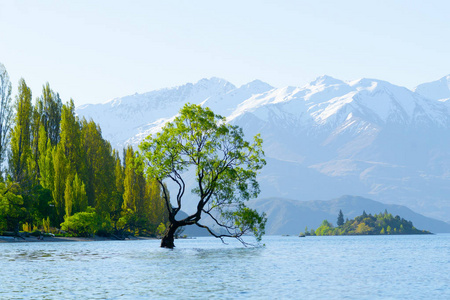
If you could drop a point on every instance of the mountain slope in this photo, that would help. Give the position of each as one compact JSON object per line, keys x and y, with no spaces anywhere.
{"x":365,"y":137}
{"x":125,"y":117}
{"x":436,"y":90}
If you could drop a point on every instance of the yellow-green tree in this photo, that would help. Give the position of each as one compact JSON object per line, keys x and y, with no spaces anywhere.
{"x":12,"y":208}
{"x":47,"y":115}
{"x":79,"y":198}
{"x":70,"y":138}
{"x":100,"y":170}
{"x":20,"y":146}
{"x":45,"y":161}
{"x":68,"y":196}
{"x":50,"y":111}
{"x":60,"y":172}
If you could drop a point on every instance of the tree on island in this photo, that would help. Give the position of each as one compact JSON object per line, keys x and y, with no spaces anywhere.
{"x":368,"y":224}
{"x":223,"y":163}
{"x":340,"y":219}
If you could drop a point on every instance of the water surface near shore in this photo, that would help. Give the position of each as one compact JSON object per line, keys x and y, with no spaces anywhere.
{"x":352,"y":267}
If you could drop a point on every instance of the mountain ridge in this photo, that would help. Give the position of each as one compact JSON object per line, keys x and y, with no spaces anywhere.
{"x":366,"y":137}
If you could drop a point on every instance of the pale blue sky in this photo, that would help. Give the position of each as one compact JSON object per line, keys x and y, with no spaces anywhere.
{"x":93,"y":51}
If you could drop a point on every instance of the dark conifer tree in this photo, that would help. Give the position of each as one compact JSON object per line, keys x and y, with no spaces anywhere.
{"x":340,"y":219}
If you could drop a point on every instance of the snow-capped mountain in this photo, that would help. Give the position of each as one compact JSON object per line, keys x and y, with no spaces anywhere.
{"x":328,"y":138}
{"x":123,"y":118}
{"x":436,"y":90}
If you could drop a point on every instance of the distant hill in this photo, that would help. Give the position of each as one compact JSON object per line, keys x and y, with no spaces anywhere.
{"x":191,"y":230}
{"x":287,"y":216}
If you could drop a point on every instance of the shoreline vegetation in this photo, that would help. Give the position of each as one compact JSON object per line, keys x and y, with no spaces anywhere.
{"x":58,"y":175}
{"x":366,"y":224}
{"x":52,"y":239}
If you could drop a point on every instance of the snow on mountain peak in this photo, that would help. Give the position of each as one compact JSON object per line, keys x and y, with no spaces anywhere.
{"x":370,"y":84}
{"x":325,"y":80}
{"x":364,"y":126}
{"x":326,"y":102}
{"x":225,"y":104}
{"x":257,"y":85}
{"x":435,"y":90}
{"x":214,"y":82}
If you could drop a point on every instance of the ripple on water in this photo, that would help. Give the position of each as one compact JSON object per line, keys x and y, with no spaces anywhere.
{"x":407,"y":267}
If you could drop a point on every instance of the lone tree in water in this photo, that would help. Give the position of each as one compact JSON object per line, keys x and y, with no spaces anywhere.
{"x":223,"y":163}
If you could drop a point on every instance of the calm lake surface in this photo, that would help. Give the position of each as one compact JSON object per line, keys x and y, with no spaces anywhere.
{"x":344,"y":267}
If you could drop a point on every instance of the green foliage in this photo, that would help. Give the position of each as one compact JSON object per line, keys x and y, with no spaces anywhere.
{"x":246,"y":220}
{"x":59,"y":165}
{"x":85,"y":223}
{"x":46,"y":224}
{"x":20,"y":147}
{"x":224,"y":164}
{"x":366,"y":224}
{"x":340,"y":219}
{"x":326,"y":228}
{"x":6,"y":113}
{"x":59,"y":181}
{"x":100,"y":168}
{"x":161,"y":229}
{"x":50,"y":111}
{"x":11,"y":207}
{"x":45,"y":161}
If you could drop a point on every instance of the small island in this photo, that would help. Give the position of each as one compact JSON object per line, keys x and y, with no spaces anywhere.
{"x":366,"y":224}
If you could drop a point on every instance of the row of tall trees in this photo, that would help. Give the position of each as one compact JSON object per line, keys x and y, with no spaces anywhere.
{"x":62,"y":171}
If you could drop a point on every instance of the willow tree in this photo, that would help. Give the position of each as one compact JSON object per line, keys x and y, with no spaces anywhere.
{"x":225,"y":166}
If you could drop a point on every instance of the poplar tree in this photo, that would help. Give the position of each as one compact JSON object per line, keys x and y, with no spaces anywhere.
{"x":131,"y":186}
{"x":20,"y":145}
{"x":59,"y":181}
{"x":51,"y":113}
{"x":136,"y":199}
{"x":70,"y":137}
{"x":6,"y":113}
{"x":79,"y":199}
{"x":68,"y":196}
{"x":157,"y":212}
{"x":100,"y":169}
{"x":36,"y":136}
{"x":47,"y":113}
{"x":117,"y":199}
{"x":46,"y":163}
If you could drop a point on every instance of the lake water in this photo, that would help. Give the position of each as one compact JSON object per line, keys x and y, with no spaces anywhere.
{"x":344,"y":267}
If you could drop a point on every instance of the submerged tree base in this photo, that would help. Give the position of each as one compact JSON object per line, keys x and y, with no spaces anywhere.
{"x":168,"y":239}
{"x":167,"y":243}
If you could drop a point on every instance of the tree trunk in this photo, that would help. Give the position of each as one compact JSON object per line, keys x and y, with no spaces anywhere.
{"x":169,"y":236}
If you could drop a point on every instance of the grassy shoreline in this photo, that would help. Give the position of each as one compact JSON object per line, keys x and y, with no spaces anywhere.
{"x":47,"y":239}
